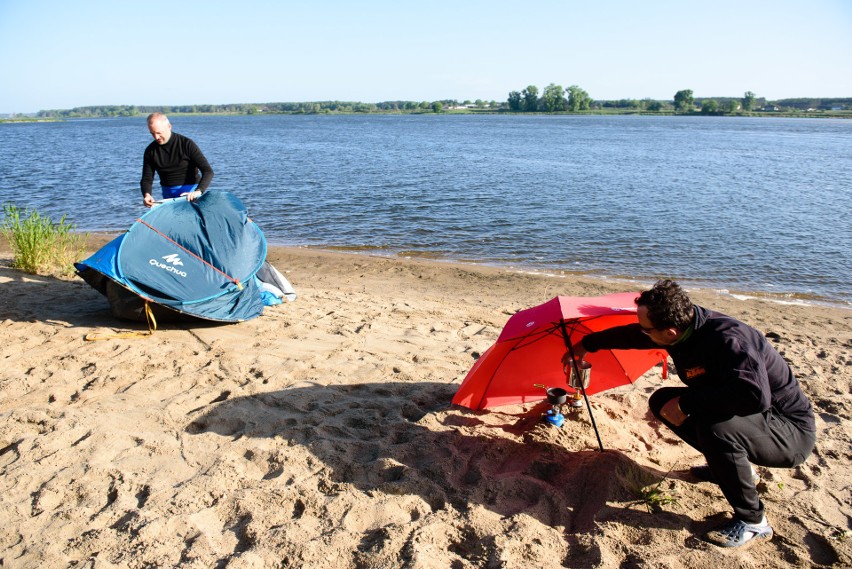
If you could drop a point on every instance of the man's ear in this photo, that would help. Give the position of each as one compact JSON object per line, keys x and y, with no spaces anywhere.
{"x":671,"y":333}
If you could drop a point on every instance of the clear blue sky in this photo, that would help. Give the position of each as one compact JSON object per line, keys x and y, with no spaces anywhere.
{"x":58,"y":54}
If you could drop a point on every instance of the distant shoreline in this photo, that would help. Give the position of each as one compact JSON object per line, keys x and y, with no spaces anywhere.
{"x":598,"y":112}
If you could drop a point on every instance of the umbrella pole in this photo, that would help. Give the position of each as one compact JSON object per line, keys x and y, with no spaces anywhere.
{"x":592,"y":417}
{"x":566,"y":336}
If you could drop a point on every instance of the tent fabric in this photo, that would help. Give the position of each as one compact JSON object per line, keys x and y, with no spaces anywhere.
{"x":197,"y":258}
{"x":273,"y":282}
{"x":530,"y":348}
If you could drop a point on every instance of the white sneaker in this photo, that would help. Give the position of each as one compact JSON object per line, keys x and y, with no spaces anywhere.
{"x":737,"y":533}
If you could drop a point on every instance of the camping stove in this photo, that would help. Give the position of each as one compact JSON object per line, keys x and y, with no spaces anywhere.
{"x":556,"y":396}
{"x":578,"y":380}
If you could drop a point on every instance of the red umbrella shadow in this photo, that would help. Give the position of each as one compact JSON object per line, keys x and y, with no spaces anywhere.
{"x":388,"y":439}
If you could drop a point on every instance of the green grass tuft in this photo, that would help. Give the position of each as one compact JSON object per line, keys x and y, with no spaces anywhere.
{"x":647,"y":488}
{"x":39,"y":245}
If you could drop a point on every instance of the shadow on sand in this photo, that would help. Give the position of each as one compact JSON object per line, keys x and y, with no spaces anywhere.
{"x":38,"y":298}
{"x":389,"y":438}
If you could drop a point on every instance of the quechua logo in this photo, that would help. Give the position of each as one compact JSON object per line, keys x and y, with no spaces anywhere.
{"x":173,"y":259}
{"x":171,"y":264}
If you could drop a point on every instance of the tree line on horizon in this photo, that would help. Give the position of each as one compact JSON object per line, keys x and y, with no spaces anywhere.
{"x":553,"y":99}
{"x":573,"y":99}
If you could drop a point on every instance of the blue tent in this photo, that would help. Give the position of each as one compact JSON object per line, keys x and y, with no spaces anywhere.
{"x":194,"y":258}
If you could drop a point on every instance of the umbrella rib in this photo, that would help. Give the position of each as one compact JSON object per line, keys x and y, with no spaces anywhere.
{"x":540,"y":336}
{"x":548,"y":331}
{"x":570,"y":323}
{"x":491,"y":379}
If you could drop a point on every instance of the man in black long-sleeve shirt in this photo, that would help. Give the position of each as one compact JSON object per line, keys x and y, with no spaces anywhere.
{"x":176,"y":159}
{"x":741,"y":403}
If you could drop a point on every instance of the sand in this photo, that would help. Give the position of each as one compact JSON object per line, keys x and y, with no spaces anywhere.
{"x":322,"y":435}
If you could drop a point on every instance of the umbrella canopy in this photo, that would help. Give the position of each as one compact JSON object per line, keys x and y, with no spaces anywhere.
{"x":530,"y":349}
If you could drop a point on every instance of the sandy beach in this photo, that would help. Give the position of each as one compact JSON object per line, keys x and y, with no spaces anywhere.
{"x":321,"y":434}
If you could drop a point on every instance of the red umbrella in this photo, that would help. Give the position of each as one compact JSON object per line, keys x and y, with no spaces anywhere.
{"x":531,"y":346}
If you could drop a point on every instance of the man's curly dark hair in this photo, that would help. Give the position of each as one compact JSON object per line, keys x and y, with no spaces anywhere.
{"x":668,"y":305}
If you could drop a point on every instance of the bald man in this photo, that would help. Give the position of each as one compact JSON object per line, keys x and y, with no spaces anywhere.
{"x":176,"y":159}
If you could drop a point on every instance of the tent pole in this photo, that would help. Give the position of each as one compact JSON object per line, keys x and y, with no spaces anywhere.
{"x":566,"y":336}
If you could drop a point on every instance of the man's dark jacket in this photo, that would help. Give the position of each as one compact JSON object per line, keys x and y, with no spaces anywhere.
{"x":729,"y":367}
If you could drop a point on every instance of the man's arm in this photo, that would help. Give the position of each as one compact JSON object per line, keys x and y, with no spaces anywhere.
{"x":148,"y":171}
{"x":147,"y":182}
{"x":201,"y":163}
{"x":629,"y":337}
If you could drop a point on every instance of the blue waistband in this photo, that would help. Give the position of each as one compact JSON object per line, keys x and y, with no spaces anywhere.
{"x":170,"y":192}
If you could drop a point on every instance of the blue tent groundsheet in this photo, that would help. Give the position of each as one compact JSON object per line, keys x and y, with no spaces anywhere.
{"x":194,"y":258}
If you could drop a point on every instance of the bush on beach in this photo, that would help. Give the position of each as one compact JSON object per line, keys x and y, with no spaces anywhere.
{"x":647,"y":488}
{"x":39,"y":245}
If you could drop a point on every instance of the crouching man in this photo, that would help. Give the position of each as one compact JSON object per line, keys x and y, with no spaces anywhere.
{"x":741,"y":404}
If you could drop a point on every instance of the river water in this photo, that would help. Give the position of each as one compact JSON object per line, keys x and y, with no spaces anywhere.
{"x":743,"y":204}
